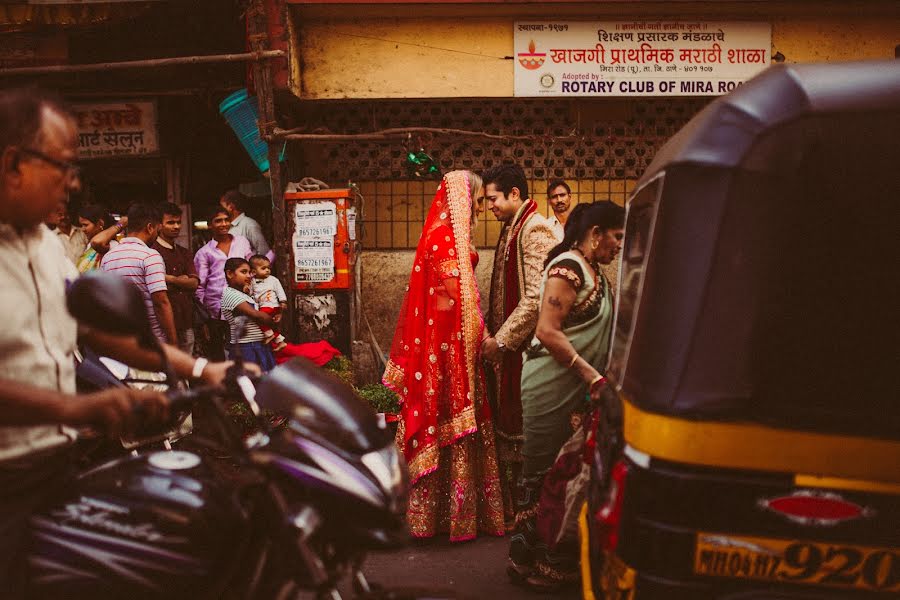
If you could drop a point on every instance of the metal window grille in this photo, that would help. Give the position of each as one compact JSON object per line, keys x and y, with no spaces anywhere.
{"x":599,"y":147}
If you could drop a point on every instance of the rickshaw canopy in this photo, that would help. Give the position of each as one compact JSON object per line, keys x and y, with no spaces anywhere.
{"x":759,"y":273}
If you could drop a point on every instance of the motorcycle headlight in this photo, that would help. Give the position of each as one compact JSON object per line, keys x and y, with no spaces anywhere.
{"x":389,"y":470}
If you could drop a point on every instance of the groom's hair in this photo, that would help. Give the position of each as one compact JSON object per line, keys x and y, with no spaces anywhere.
{"x":507,"y":177}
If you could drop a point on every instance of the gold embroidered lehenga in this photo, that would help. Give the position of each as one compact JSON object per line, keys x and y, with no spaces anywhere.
{"x":445,"y":431}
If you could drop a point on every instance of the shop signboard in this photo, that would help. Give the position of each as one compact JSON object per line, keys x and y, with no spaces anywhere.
{"x":637,"y":58}
{"x":116,"y":129}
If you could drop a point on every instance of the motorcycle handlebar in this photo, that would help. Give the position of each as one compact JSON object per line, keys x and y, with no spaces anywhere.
{"x":184,"y":400}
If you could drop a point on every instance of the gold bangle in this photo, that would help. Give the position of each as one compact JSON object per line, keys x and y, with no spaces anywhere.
{"x":595,"y":380}
{"x":572,"y":362}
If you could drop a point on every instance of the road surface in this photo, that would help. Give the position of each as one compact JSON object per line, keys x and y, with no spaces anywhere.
{"x":473,"y":570}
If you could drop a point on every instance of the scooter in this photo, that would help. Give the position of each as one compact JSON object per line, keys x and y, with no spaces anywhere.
{"x":297,"y":510}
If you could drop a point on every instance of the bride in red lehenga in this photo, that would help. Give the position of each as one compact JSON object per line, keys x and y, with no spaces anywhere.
{"x":445,"y":431}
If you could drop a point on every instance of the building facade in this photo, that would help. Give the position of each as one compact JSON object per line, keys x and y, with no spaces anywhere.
{"x":362,"y":67}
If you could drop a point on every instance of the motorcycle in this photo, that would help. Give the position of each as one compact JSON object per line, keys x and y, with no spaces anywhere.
{"x":296,"y":509}
{"x":94,"y":373}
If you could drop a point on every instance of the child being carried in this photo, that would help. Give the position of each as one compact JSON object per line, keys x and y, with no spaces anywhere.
{"x":266,"y":289}
{"x":248,"y":338}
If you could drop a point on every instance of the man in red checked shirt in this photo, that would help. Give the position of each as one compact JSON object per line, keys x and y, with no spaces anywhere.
{"x":135,"y":259}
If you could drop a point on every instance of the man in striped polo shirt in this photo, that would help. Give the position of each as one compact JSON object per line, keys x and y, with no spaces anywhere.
{"x":133,"y":258}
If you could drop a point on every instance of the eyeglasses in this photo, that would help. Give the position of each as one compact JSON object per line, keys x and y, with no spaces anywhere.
{"x":70,"y":170}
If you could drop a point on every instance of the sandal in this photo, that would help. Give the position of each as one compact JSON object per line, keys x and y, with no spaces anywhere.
{"x":518,"y":574}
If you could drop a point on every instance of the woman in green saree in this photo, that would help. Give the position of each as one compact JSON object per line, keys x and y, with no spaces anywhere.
{"x":562,"y":370}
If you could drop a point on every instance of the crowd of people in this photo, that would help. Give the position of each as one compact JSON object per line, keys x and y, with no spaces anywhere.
{"x":491,"y":405}
{"x":185,"y":293}
{"x":490,"y":402}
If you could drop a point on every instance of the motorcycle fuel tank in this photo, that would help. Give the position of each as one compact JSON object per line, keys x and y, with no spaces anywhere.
{"x":137,"y":527}
{"x":322,"y":405}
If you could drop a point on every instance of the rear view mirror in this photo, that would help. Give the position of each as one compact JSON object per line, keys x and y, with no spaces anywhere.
{"x":111,"y":304}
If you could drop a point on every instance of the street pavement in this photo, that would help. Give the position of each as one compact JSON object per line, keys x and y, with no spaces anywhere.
{"x":472,"y":570}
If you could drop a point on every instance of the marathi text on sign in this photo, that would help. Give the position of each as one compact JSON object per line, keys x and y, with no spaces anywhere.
{"x":115,"y":129}
{"x":637,"y":58}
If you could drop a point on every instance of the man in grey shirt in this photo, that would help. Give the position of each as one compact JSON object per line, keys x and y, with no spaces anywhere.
{"x":234,"y":203}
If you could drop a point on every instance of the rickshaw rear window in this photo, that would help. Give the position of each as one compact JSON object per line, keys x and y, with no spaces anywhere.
{"x":770,"y":292}
{"x":638,"y":232}
{"x":823,"y":351}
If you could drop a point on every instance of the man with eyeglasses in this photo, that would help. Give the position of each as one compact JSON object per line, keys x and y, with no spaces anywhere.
{"x":38,"y":405}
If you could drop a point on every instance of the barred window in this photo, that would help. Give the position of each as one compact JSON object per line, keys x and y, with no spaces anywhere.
{"x":600,"y":147}
{"x":395,"y":211}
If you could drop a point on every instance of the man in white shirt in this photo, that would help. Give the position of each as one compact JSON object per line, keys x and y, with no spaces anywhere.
{"x":559,"y":197}
{"x":38,"y":405}
{"x":234,"y":203}
{"x":73,"y":239}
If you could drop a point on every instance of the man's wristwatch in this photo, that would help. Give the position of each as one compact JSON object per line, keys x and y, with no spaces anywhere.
{"x":501,"y":346}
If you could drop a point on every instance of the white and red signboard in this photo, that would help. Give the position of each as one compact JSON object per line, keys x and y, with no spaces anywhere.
{"x":115,"y":129}
{"x":637,"y":58}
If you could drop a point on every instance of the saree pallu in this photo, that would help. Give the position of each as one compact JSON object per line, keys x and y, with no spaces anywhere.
{"x":89,"y":261}
{"x":551,"y":392}
{"x":553,"y":399}
{"x":445,"y":430}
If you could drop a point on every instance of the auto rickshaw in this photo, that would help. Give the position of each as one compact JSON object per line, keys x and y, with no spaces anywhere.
{"x":748,"y":443}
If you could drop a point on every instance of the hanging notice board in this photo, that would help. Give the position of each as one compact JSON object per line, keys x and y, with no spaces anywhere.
{"x":323,"y":234}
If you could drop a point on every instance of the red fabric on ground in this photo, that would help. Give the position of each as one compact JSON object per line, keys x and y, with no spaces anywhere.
{"x":318,"y":352}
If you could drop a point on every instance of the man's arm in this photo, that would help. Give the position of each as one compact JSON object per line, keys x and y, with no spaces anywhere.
{"x":257,"y":239}
{"x":521,"y":322}
{"x":163,"y":308}
{"x":190,"y":278}
{"x":128,"y":351}
{"x":155,"y":280}
{"x":202,"y":267}
{"x":185,"y":282}
{"x":112,"y":410}
{"x":100,"y":242}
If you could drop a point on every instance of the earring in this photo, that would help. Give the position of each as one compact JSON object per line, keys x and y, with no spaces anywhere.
{"x":595,"y":244}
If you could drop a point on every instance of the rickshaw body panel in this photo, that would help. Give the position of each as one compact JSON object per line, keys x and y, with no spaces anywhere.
{"x":754,"y":353}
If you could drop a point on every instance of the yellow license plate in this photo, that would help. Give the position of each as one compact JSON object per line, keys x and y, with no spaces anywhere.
{"x":792,"y":561}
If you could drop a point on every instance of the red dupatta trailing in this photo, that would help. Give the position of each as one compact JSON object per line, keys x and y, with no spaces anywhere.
{"x":432,"y":365}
